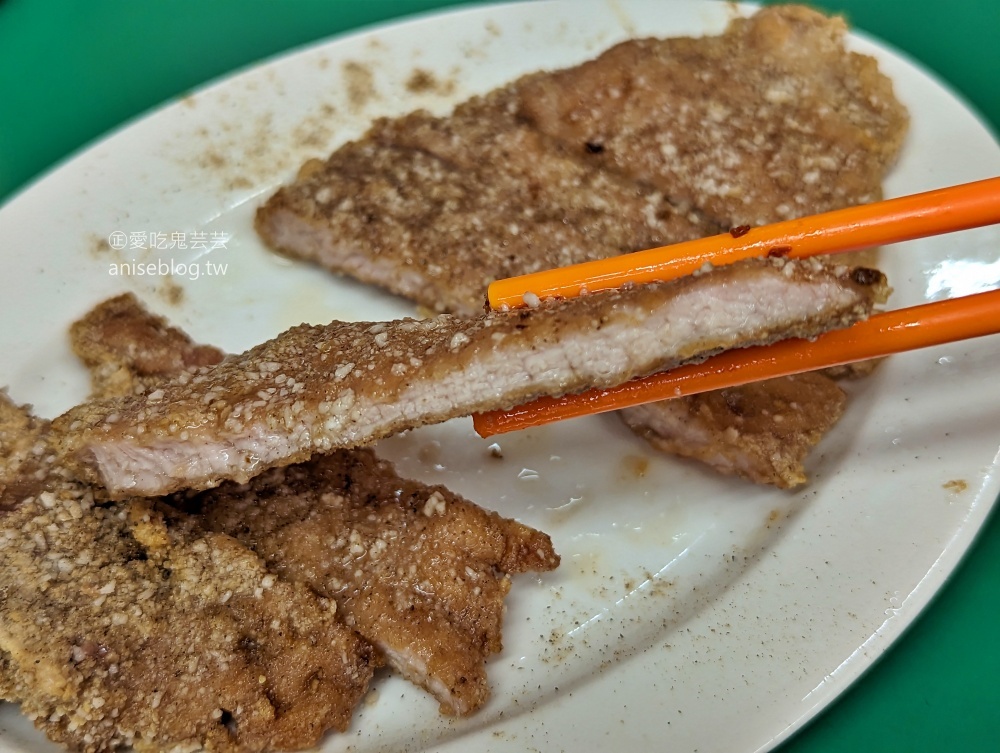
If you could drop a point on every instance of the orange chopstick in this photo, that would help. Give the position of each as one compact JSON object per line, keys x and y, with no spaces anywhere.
{"x":920,"y":215}
{"x":881,"y":335}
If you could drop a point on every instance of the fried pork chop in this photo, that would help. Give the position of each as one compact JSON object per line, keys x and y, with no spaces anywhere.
{"x":418,"y":571}
{"x":435,"y":209}
{"x":761,"y":431}
{"x":654,"y":142}
{"x":314,"y":389}
{"x":415,"y":569}
{"x":129,"y":624}
{"x":771,"y":120}
{"x":129,"y":350}
{"x":20,"y":432}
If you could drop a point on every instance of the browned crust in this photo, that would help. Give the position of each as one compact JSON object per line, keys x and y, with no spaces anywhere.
{"x":651,"y":143}
{"x":435,"y":209}
{"x":771,"y":120}
{"x":762,"y":432}
{"x":415,"y":569}
{"x":127,"y":349}
{"x":20,"y":432}
{"x":314,"y":389}
{"x":423,"y":576}
{"x":128,"y":624}
{"x":680,"y":138}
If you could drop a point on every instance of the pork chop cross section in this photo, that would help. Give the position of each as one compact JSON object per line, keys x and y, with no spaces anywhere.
{"x":314,"y":389}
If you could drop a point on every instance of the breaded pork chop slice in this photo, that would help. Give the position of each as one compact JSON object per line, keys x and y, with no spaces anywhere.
{"x":129,"y":350}
{"x":770,"y":120}
{"x":255,"y":671}
{"x":762,"y":432}
{"x":435,"y":209}
{"x":314,"y":389}
{"x":417,"y":570}
{"x":519,"y":147}
{"x":130,"y":624}
{"x":21,"y":433}
{"x":420,"y":572}
{"x":7,"y":692}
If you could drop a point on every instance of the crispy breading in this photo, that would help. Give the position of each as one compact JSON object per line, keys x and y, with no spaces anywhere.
{"x":314,"y":389}
{"x":761,"y":431}
{"x":415,"y":569}
{"x":129,"y":350}
{"x":772,"y":119}
{"x":129,"y":624}
{"x":435,"y":209}
{"x":7,"y":692}
{"x":20,"y":449}
{"x":428,"y":589}
{"x":653,"y":142}
{"x":18,"y":431}
{"x":298,"y":518}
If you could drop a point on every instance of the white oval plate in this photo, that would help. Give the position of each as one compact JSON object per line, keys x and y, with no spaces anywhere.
{"x":691,"y":611}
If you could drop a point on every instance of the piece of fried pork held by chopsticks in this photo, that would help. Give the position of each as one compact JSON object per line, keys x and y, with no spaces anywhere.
{"x":416,"y":570}
{"x":130,"y":624}
{"x":314,"y":389}
{"x":944,"y":210}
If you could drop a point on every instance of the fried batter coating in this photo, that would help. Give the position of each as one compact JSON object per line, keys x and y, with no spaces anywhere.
{"x":415,"y":569}
{"x":129,"y":350}
{"x":314,"y":389}
{"x":21,"y":450}
{"x":129,"y":624}
{"x":292,"y":514}
{"x":653,"y":142}
{"x":762,"y":431}
{"x":429,"y":588}
{"x":771,"y":120}
{"x":435,"y":209}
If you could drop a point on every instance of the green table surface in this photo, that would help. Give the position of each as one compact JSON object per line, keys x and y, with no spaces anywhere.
{"x":71,"y":70}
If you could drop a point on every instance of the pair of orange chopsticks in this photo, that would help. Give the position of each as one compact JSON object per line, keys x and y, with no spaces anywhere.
{"x":921,"y":215}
